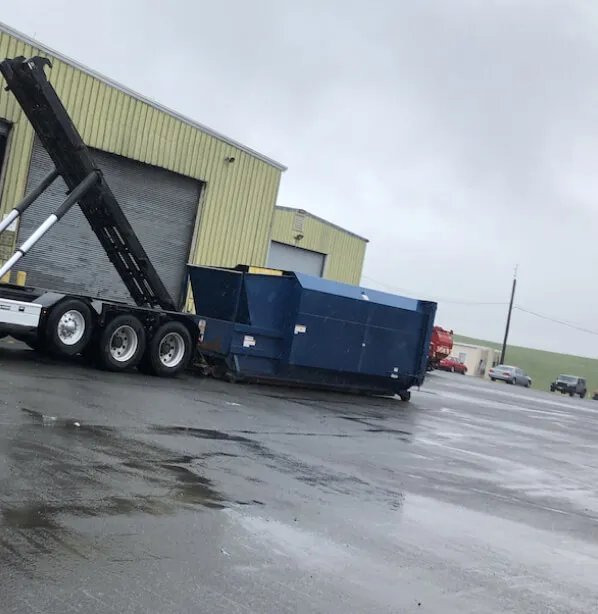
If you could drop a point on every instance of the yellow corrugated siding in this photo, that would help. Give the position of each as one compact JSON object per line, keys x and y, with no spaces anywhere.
{"x":345,"y":252}
{"x":239,"y":198}
{"x":21,"y":137}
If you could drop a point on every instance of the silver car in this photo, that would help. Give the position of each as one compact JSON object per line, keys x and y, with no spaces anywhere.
{"x":511,"y":375}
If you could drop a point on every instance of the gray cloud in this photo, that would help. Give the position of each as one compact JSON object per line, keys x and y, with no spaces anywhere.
{"x":460,"y":137}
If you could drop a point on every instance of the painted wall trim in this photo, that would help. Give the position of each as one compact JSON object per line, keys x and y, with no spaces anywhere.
{"x":107,"y":81}
{"x":323,"y":221}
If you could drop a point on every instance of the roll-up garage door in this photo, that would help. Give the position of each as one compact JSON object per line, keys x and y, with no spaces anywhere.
{"x":161,"y":206}
{"x":290,"y":258}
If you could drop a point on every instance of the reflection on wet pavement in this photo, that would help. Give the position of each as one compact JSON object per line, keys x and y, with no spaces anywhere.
{"x":60,"y":469}
{"x":50,"y":454}
{"x":133,"y":494}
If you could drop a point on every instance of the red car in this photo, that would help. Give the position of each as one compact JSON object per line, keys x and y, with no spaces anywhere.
{"x":453,"y":365}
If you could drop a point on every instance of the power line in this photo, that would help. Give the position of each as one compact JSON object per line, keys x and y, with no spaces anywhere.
{"x":556,"y":320}
{"x":432,"y":296}
{"x":482,"y":303}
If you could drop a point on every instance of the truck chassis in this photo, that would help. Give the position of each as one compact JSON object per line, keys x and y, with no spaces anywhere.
{"x":151,"y":335}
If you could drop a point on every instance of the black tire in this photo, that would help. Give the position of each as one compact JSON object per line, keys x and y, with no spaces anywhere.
{"x":68,"y":328}
{"x":582,"y":395}
{"x":571,"y":394}
{"x":169,"y":351}
{"x":493,"y":379}
{"x":121,"y":344}
{"x":405,"y":396}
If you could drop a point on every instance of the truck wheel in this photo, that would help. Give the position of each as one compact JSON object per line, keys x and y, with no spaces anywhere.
{"x":69,"y":327}
{"x":122,"y":344}
{"x":169,"y":351}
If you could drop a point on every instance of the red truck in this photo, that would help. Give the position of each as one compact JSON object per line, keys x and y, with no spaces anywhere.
{"x":441,"y":345}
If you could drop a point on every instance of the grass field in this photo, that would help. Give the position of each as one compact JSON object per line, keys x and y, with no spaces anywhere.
{"x":544,"y":367}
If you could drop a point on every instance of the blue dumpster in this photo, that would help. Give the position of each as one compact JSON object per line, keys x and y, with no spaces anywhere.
{"x":310,"y":331}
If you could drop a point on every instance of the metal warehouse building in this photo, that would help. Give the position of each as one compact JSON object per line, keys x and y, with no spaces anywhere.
{"x":192,"y":195}
{"x":306,"y":243}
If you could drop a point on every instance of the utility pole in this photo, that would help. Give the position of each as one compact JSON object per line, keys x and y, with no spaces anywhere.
{"x":504,"y":343}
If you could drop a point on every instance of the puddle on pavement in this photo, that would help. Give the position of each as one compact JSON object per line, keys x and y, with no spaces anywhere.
{"x":201,"y":433}
{"x":297,"y":434}
{"x":376,"y":428}
{"x":402,"y":435}
{"x":27,"y":517}
{"x":306,"y":473}
{"x":63,"y":469}
{"x":28,"y":531}
{"x":193,"y":488}
{"x":344,"y":399}
{"x":56,"y":470}
{"x":70,"y":468}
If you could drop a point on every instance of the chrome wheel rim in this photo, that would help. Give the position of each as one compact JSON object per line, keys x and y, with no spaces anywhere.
{"x":71,"y":327}
{"x":172,"y":350}
{"x":123,"y":343}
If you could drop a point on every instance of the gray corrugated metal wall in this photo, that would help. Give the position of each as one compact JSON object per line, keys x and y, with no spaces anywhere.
{"x":160,"y":205}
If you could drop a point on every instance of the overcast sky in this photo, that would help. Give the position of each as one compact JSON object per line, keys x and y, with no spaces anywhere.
{"x":460,"y":137}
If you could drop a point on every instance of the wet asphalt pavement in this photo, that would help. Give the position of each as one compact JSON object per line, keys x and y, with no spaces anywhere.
{"x":124,"y":493}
